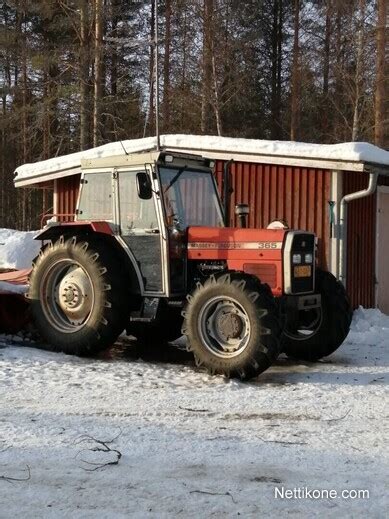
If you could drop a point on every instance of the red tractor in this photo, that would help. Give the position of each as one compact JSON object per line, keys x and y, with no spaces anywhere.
{"x":149,"y":253}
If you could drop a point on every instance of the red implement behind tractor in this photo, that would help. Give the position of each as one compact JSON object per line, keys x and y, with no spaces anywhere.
{"x":14,"y":308}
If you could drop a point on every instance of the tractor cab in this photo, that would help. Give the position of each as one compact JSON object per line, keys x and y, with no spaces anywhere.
{"x":150,"y":201}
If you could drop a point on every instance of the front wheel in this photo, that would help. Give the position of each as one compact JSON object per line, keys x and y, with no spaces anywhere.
{"x":319,"y":332}
{"x":231,"y":325}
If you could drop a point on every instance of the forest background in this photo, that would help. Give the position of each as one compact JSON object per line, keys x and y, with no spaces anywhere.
{"x":77,"y":74}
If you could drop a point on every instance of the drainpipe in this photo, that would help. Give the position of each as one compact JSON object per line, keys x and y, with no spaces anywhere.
{"x":373,"y":177}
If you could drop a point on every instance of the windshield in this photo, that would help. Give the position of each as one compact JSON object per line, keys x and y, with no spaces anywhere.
{"x":190,"y":198}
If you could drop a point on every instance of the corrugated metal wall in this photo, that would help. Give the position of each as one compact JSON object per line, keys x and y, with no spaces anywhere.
{"x":297,"y":195}
{"x":66,"y":197}
{"x":361,"y":242}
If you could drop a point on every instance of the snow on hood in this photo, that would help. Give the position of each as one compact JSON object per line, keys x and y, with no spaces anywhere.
{"x":17,"y":249}
{"x":352,"y":151}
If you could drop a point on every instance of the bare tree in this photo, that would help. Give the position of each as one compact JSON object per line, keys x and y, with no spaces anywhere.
{"x":276,"y":67}
{"x":150,"y":119}
{"x":380,"y":123}
{"x":98,"y":87}
{"x":84,"y":74}
{"x":295,"y":87}
{"x":166,"y":66}
{"x":207,"y":72}
{"x":359,"y":68}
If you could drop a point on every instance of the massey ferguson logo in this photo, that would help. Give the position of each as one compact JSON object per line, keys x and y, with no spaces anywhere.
{"x":234,"y":245}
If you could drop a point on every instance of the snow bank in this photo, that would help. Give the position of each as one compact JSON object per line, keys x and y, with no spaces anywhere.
{"x":353,"y":151}
{"x":370,"y":327}
{"x":17,"y":249}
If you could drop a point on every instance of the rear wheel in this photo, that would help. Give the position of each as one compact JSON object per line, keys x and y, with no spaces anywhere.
{"x":77,"y":296}
{"x":319,"y":332}
{"x":231,"y":325}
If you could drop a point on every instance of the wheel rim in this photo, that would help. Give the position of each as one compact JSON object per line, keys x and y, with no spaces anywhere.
{"x":308,"y":325}
{"x":67,"y":296}
{"x":224,"y":327}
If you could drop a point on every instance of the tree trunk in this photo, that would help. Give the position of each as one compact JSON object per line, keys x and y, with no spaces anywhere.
{"x":84,"y":75}
{"x":216,"y":101}
{"x":295,"y":90}
{"x":379,"y":132}
{"x":207,"y":68}
{"x":326,"y":71}
{"x":166,"y":67}
{"x":183,"y":119}
{"x":359,"y":72}
{"x":276,"y":68}
{"x":150,"y":119}
{"x":98,"y":72}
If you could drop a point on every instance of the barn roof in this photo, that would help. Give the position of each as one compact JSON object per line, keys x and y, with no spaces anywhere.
{"x":352,"y":156}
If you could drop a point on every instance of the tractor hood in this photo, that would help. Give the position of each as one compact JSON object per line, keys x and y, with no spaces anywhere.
{"x":229,"y":243}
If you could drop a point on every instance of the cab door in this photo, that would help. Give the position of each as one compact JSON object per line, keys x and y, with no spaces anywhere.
{"x":140,"y":229}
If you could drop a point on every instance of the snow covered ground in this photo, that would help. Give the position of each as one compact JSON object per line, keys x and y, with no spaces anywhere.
{"x":193,"y":445}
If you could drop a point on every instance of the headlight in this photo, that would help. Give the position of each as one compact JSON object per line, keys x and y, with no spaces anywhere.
{"x":296,"y":259}
{"x":309,"y":258}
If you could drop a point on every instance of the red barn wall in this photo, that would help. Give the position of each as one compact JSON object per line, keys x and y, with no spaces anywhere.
{"x":297,"y":195}
{"x":361,"y":242}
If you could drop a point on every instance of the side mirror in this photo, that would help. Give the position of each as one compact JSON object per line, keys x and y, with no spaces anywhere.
{"x":143,"y":185}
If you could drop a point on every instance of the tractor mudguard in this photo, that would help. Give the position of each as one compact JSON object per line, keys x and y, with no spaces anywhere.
{"x":55,"y":229}
{"x":103,"y":231}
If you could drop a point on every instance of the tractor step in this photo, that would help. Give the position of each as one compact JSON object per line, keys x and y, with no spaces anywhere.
{"x":135,"y":319}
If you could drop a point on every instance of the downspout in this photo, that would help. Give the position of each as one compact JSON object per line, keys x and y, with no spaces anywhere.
{"x":373,"y":177}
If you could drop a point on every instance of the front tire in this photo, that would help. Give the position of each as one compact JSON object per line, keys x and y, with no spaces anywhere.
{"x":78,"y":298}
{"x":231,"y":325}
{"x":329,"y":329}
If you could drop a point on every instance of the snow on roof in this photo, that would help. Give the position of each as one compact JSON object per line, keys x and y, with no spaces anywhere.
{"x":352,"y":152}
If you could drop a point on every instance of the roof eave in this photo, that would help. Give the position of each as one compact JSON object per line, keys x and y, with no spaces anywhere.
{"x":47,"y":176}
{"x":334,"y":165}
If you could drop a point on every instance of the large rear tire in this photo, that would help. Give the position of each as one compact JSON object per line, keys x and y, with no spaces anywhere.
{"x":78,"y":297}
{"x":329,"y":327}
{"x":231,"y":325}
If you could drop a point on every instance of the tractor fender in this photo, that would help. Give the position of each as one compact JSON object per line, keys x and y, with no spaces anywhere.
{"x":103,"y":231}
{"x":55,"y":229}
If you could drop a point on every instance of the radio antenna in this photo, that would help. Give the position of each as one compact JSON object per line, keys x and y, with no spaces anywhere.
{"x":124,"y":149}
{"x":156,"y":78}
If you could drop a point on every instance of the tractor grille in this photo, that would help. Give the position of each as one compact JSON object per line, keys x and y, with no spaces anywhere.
{"x":299,"y":273}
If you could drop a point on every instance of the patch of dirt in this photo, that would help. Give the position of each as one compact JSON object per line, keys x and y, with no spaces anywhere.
{"x":266,"y":479}
{"x":270,"y":416}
